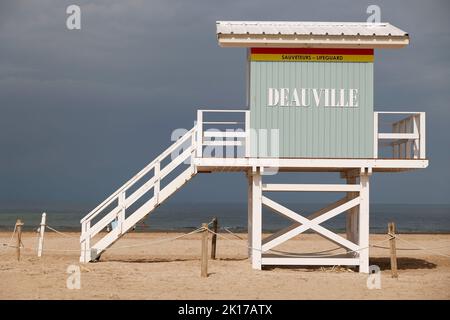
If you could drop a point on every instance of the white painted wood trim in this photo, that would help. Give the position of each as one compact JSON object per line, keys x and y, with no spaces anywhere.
{"x":223,"y":122}
{"x":314,"y":215}
{"x":312,"y":187}
{"x":85,"y":241}
{"x":416,"y":146}
{"x":309,"y":224}
{"x":222,"y":110}
{"x":102,"y":223}
{"x":256,"y":220}
{"x":226,"y":134}
{"x":249,"y":214}
{"x":247,"y":134}
{"x":138,"y":176}
{"x":375,"y":134}
{"x":405,"y":136}
{"x":41,"y":234}
{"x":399,"y":112}
{"x":363,"y":240}
{"x":121,"y":215}
{"x":312,"y":163}
{"x":158,"y":176}
{"x":422,"y":135}
{"x":310,"y":261}
{"x":223,"y":143}
{"x":199,"y":130}
{"x":175,"y":163}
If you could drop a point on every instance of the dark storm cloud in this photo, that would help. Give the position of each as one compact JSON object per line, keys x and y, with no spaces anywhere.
{"x":81,"y":111}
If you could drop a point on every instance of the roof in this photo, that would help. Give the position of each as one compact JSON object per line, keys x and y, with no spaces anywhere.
{"x":310,"y":34}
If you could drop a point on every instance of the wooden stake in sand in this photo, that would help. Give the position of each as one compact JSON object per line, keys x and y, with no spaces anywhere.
{"x":391,"y":232}
{"x":41,"y":235}
{"x":214,"y":239}
{"x":204,"y":272}
{"x":19,"y":225}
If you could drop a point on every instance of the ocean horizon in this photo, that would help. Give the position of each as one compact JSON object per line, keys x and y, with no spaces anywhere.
{"x":173,"y":217}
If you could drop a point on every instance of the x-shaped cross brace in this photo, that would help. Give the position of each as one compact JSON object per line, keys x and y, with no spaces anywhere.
{"x":312,"y":222}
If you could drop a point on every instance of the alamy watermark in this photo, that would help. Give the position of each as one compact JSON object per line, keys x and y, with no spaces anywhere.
{"x":74,"y":279}
{"x":73,"y":21}
{"x":374,"y":12}
{"x":374,"y":278}
{"x":232,"y":144}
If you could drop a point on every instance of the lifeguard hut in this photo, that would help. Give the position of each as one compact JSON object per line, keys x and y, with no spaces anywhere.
{"x":309,"y":109}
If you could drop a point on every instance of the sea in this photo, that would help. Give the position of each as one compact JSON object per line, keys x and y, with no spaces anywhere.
{"x":181,"y":217}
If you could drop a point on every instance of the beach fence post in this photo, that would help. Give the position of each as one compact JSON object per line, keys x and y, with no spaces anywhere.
{"x":214,"y":238}
{"x":19,"y":225}
{"x":41,"y":235}
{"x":204,"y":266}
{"x":393,"y":250}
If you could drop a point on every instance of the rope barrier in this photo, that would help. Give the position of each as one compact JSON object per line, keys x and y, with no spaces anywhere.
{"x":377,"y":245}
{"x":8,"y":245}
{"x":61,"y":233}
{"x":432,"y":250}
{"x":120,"y":247}
{"x":275,"y":252}
{"x":226,"y":229}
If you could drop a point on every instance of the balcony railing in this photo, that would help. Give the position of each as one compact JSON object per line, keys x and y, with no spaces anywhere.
{"x":219,"y":131}
{"x":406,"y":139}
{"x":232,"y":133}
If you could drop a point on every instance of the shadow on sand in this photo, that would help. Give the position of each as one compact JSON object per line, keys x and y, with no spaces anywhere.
{"x":383,"y":262}
{"x":403,"y":263}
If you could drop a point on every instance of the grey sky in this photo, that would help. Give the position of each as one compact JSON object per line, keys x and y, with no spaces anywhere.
{"x":82,"y":111}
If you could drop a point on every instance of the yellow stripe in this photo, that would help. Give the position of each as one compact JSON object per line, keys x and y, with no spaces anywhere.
{"x":294,"y":57}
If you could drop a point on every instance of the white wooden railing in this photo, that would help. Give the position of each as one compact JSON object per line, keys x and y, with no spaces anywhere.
{"x":120,"y":200}
{"x":407,"y":138}
{"x":221,"y":136}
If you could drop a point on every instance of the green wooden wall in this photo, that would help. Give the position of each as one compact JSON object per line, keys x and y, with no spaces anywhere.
{"x":315,"y":131}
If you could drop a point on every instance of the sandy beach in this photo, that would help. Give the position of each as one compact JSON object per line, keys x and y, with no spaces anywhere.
{"x":171,"y":270}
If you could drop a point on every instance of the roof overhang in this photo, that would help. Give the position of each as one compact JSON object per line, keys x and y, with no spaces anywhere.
{"x":310,"y":35}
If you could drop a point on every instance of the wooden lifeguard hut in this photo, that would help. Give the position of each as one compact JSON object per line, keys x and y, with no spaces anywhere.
{"x":309,"y":109}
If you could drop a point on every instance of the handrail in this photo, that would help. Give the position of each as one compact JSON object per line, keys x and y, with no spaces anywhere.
{"x":93,"y":213}
{"x":408,"y":135}
{"x":200,"y":134}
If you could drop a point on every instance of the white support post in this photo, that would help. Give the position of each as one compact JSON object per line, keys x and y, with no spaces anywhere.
{"x":351,"y":213}
{"x":395,"y":146}
{"x":364,"y":224}
{"x":401,"y":147}
{"x":85,"y":255}
{"x":247,"y":134}
{"x":256,"y":219}
{"x":422,"y":135}
{"x":250,"y":212}
{"x":408,"y":142}
{"x":157,"y":185}
{"x":41,"y":235}
{"x":416,"y":146}
{"x":375,"y":135}
{"x":199,"y":133}
{"x":121,"y":214}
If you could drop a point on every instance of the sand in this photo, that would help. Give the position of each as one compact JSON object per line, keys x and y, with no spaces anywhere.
{"x":171,"y":270}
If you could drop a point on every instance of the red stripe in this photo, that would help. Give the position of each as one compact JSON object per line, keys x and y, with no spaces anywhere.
{"x":312,"y":51}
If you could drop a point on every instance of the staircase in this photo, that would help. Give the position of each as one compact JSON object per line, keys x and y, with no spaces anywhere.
{"x":144,"y":185}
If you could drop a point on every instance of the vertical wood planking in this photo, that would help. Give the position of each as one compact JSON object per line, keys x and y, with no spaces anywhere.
{"x":315,"y":131}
